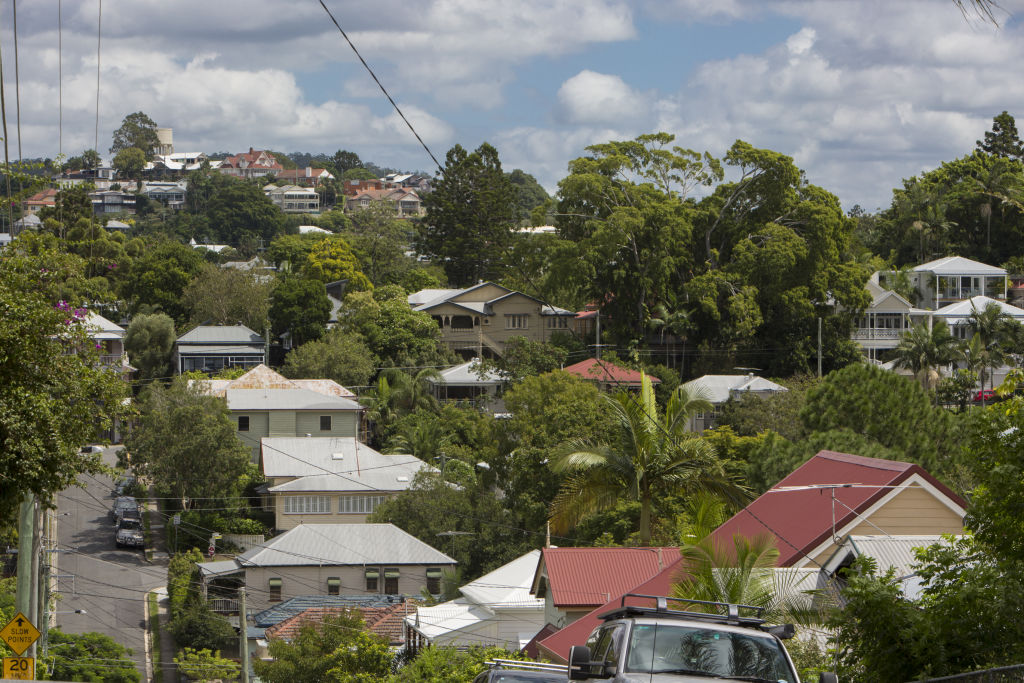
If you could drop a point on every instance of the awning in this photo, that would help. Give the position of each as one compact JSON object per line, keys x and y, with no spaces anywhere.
{"x":274,"y":583}
{"x":391,"y":574}
{"x":372,"y":574}
{"x":434,"y":573}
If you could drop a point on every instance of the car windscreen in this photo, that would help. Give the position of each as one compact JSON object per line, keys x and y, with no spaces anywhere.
{"x":663,"y":648}
{"x":130,"y":524}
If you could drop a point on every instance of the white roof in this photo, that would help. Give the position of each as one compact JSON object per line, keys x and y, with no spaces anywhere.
{"x":466,"y":374}
{"x":425,"y":296}
{"x":312,"y":230}
{"x":958,"y":265}
{"x":285,"y":399}
{"x":343,"y":544}
{"x":335,"y":464}
{"x":101,"y":328}
{"x":508,"y":586}
{"x":887,"y":551}
{"x":960,"y":312}
{"x":718,"y":388}
{"x":444,"y":622}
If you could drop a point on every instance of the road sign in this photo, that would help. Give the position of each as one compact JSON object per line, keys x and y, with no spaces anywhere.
{"x":20,"y":668}
{"x":212,"y":550}
{"x":19,"y":633}
{"x":176,"y":519}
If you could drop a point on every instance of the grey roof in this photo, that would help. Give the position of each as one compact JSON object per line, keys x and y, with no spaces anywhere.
{"x":958,"y":265}
{"x":101,"y":328}
{"x":286,"y":399}
{"x":300,"y":603}
{"x":220,"y":349}
{"x":466,"y":375}
{"x":341,"y":545}
{"x":218,"y":568}
{"x":960,"y":311}
{"x":220,"y":334}
{"x":718,"y":388}
{"x":887,"y":551}
{"x":335,"y":464}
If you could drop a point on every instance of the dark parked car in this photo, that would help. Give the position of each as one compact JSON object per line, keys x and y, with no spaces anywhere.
{"x":121,"y":504}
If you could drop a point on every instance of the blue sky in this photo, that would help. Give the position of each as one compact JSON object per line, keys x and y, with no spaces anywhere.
{"x":862,"y":93}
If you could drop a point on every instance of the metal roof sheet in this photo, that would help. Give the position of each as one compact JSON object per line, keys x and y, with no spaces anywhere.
{"x":507,"y":587}
{"x":581,"y":577}
{"x":958,"y":265}
{"x":335,"y":464}
{"x":221,"y":349}
{"x":285,"y":399}
{"x":220,"y":334}
{"x":606,"y":371}
{"x":467,"y":375}
{"x":343,"y":544}
{"x":718,"y":388}
{"x":289,"y":608}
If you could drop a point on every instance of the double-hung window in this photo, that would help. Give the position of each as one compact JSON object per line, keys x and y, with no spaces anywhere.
{"x":517,"y":321}
{"x":307,"y":505}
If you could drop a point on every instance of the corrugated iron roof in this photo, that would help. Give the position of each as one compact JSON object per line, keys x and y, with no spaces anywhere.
{"x":383,"y":621}
{"x":605,"y":371}
{"x":803,"y":517}
{"x":262,"y":377}
{"x":581,"y":577}
{"x":220,"y":334}
{"x":335,"y":464}
{"x":285,"y":399}
{"x":289,"y":608}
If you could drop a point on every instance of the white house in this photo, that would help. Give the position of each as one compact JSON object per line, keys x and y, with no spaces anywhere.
{"x":718,"y":389}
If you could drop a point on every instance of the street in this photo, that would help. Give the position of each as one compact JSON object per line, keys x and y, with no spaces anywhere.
{"x":93,"y":575}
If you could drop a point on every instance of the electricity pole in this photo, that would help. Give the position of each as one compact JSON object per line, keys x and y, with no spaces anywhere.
{"x":243,"y":629}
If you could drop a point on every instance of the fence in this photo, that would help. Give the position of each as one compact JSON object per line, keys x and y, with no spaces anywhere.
{"x":1003,"y":674}
{"x":245,"y":541}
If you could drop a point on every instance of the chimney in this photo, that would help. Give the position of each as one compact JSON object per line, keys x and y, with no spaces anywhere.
{"x":252,"y":151}
{"x":309,"y":171}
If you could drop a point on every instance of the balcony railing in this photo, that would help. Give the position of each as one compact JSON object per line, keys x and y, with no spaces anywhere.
{"x":224,"y":605}
{"x":877,"y":333}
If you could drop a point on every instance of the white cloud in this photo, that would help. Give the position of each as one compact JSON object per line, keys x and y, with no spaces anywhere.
{"x":590,"y":97}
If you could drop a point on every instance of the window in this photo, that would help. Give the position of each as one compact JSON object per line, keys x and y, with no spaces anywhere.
{"x":353,"y":505}
{"x":243,"y":423}
{"x":333,"y":585}
{"x":325,"y":423}
{"x":307,"y":505}
{"x":517,"y":321}
{"x":391,"y":580}
{"x":557,"y":323}
{"x":275,"y":590}
{"x":434,"y":581}
{"x":372,"y":575}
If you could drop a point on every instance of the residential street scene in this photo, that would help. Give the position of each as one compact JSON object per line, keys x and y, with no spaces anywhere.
{"x":476,"y":343}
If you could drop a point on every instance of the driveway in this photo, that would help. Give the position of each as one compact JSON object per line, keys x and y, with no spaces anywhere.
{"x":93,"y":575}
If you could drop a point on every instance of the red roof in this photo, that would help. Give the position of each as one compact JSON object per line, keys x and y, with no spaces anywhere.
{"x":557,"y":646}
{"x":604,"y":371}
{"x":386,"y":622}
{"x":587,"y":577}
{"x":801,"y":520}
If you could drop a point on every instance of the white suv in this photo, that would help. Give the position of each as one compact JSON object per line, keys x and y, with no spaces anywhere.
{"x":637,"y":643}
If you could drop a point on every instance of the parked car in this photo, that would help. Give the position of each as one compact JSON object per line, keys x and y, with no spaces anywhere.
{"x":513,"y":671}
{"x":92,"y":449}
{"x":129,"y":530}
{"x":123,"y":484}
{"x":121,"y":504}
{"x":638,"y":643}
{"x":986,"y":395}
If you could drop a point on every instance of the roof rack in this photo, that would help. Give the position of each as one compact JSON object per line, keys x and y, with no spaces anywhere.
{"x":731,"y":611}
{"x":526,"y":666}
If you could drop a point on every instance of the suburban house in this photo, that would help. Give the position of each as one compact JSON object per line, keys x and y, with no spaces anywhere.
{"x":496,"y":609}
{"x":414,"y":181}
{"x":109,"y":340}
{"x":718,"y":389}
{"x":330,"y":480}
{"x":350,"y":188}
{"x":607,"y":375}
{"x":954,"y":278}
{"x":465,"y":383}
{"x":29,"y":221}
{"x":478,"y":320}
{"x":384,"y":621}
{"x":330,"y":559}
{"x":835,"y":495}
{"x":574,"y":581}
{"x":958,"y":315}
{"x":406,"y":203}
{"x":40,"y":200}
{"x":262,"y":377}
{"x":305,"y":176}
{"x":210,"y":348}
{"x":215,"y":248}
{"x":112,"y":201}
{"x":171,"y":195}
{"x":252,"y":164}
{"x":896,"y":552}
{"x":294,"y":199}
{"x":176,"y":164}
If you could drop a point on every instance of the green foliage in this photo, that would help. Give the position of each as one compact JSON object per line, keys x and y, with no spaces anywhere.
{"x":379,"y":241}
{"x":340,"y":356}
{"x":198,"y":627}
{"x":90,"y":657}
{"x":750,"y":415}
{"x":158,"y":279}
{"x":239,"y":211}
{"x":1002,"y":140}
{"x":129,"y":163}
{"x":300,"y":306}
{"x":137,"y":130}
{"x":182,"y":580}
{"x":529,"y":194}
{"x":922,"y":349}
{"x":206,"y":665}
{"x":332,"y":259}
{"x":290,"y":252}
{"x":396,"y":335}
{"x":336,"y":650}
{"x":186,"y":442}
{"x":523,"y":358}
{"x":343,"y":160}
{"x":470,"y":215}
{"x":358,"y":174}
{"x":449,"y":665}
{"x":54,"y":392}
{"x":229,"y":296}
{"x":149,"y":342}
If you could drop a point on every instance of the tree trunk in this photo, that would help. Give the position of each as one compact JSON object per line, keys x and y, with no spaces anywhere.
{"x":645,"y":519}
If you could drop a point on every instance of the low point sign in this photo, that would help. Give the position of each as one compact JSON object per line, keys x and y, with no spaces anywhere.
{"x":19,"y":634}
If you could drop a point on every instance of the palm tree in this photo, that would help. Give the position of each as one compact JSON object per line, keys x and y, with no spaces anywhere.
{"x":1000,"y":182}
{"x":921,"y":350}
{"x":677,"y":323}
{"x":413,"y":392}
{"x":426,"y":439}
{"x":992,"y":327}
{"x":652,"y":455}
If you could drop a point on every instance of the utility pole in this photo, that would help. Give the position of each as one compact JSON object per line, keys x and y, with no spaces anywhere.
{"x":50,"y":551}
{"x":819,"y":347}
{"x":243,"y":629}
{"x":28,"y":580}
{"x":598,"y":335}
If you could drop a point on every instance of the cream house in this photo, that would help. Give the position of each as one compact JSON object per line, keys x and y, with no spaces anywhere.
{"x":330,"y":480}
{"x":476,"y":322}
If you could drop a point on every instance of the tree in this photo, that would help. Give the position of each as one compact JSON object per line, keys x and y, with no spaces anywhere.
{"x":129,"y":163}
{"x":186,"y":442}
{"x":529,"y":194}
{"x":922,"y":349}
{"x":470,"y":214}
{"x":1002,"y":140}
{"x":524,"y":357}
{"x":300,"y":307}
{"x":378,"y":240}
{"x":332,"y":259}
{"x":451,"y":665}
{"x":289,"y":253}
{"x":198,"y":627}
{"x":993,"y":327}
{"x":338,"y":649}
{"x":239,"y":211}
{"x":89,"y":657}
{"x":228,"y":296}
{"x":206,"y":666}
{"x":54,"y":392}
{"x":340,"y":356}
{"x":650,"y":456}
{"x":90,"y":159}
{"x":149,"y":342}
{"x":397,"y":335}
{"x":343,"y":160}
{"x":158,"y":279}
{"x":137,"y":130}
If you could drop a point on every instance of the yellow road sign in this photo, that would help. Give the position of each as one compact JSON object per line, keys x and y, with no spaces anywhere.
{"x":20,"y":668}
{"x":19,"y":633}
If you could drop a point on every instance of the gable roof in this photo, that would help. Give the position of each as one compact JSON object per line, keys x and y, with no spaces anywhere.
{"x":99,"y":327}
{"x":383,"y":621}
{"x":801,"y":518}
{"x":426,"y":299}
{"x":221,"y":334}
{"x":262,"y":377}
{"x":606,"y":371}
{"x":958,"y":265}
{"x":277,"y":613}
{"x":285,"y":399}
{"x":508,"y":586}
{"x":960,"y":311}
{"x":343,"y":544}
{"x":585,"y":577}
{"x":897,"y":552}
{"x":718,"y":388}
{"x":466,"y":374}
{"x":334,"y":464}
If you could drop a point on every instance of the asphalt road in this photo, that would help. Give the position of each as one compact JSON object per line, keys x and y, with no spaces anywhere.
{"x":94,"y":575}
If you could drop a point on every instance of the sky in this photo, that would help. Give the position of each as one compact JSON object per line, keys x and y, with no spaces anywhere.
{"x":861,"y":93}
